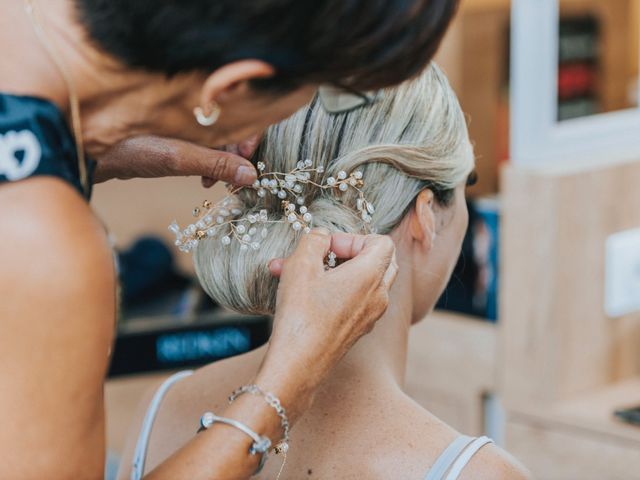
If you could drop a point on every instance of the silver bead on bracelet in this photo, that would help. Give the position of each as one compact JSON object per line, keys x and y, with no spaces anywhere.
{"x":260,"y":445}
{"x":273,"y":402}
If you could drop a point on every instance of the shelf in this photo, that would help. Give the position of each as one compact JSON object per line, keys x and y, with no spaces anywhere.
{"x":592,"y":413}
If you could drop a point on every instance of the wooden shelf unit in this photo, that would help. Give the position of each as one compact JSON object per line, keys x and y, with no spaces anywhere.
{"x":591,"y":413}
{"x":565,"y":366}
{"x":474,"y":55}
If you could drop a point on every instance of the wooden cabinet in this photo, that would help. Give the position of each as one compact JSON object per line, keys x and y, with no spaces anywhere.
{"x":565,"y":365}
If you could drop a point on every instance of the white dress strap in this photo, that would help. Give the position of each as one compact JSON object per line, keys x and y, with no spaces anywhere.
{"x":465,"y":456}
{"x":447,"y":457}
{"x":455,"y":457}
{"x":140,"y":454}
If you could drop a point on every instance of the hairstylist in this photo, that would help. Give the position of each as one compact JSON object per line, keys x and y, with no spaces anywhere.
{"x":77,"y":80}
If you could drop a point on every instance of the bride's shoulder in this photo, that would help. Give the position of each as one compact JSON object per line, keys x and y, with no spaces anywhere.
{"x":181,"y":400}
{"x":424,"y":438}
{"x":209,"y":387}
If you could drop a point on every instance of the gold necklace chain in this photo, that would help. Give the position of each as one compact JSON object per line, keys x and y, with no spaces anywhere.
{"x":74,"y":102}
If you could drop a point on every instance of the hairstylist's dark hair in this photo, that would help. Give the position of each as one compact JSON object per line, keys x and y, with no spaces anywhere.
{"x":361,"y":44}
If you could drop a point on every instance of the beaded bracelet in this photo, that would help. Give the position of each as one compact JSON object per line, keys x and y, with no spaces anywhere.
{"x":272,"y":401}
{"x":260,"y":445}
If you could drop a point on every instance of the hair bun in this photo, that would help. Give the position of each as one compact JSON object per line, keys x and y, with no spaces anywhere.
{"x":384,"y":154}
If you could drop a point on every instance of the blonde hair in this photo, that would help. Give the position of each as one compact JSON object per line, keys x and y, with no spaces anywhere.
{"x":414,"y":136}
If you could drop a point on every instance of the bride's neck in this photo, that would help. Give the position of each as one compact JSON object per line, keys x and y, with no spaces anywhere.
{"x":379,"y":358}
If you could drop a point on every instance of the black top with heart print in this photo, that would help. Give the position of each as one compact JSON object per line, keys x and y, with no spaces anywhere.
{"x":35,"y":140}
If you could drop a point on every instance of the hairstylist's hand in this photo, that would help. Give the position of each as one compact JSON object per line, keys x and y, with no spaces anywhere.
{"x":151,"y":157}
{"x":321,"y":313}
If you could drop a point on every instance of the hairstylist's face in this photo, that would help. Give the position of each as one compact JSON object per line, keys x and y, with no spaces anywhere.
{"x":244,"y":110}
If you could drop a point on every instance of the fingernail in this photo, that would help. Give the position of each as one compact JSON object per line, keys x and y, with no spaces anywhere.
{"x":245,"y":175}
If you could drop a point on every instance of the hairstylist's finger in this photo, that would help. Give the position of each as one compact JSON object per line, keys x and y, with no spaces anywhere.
{"x":347,"y":245}
{"x":244,"y":149}
{"x":150,"y":157}
{"x":215,"y":165}
{"x":391,"y":273}
{"x":313,"y":247}
{"x":208,"y":182}
{"x":372,"y":261}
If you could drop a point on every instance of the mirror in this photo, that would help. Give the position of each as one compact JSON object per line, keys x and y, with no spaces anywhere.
{"x":574,"y":82}
{"x":597,"y":57}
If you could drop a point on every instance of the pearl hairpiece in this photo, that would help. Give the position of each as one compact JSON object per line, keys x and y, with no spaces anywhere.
{"x":249,"y":230}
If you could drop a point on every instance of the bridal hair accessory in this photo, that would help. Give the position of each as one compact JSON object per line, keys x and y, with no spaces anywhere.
{"x":331,"y":259}
{"x":260,"y":445}
{"x":249,"y":230}
{"x":209,"y":118}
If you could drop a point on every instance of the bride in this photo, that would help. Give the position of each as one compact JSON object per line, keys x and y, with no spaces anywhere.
{"x":404,"y":158}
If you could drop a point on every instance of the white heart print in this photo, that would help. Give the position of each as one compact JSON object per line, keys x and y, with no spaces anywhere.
{"x":13,"y":142}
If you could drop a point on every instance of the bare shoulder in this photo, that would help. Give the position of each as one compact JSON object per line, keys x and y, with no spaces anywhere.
{"x":489,"y":463}
{"x":53,"y":247}
{"x":178,"y":415}
{"x":419,"y":440}
{"x":493,"y":463}
{"x":385,"y":435}
{"x":46,"y":217}
{"x":57,"y":316}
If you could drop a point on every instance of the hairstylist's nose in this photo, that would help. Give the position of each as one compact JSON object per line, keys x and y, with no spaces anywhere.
{"x":249,"y":146}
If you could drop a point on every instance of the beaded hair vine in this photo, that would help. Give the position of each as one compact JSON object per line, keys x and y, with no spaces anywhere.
{"x":249,"y":230}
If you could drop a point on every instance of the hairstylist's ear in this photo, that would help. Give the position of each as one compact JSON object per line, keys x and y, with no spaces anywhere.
{"x":423,"y":219}
{"x":231,"y":81}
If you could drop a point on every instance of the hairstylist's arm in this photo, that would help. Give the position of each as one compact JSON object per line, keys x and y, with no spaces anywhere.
{"x":320,"y":314}
{"x":152,"y":157}
{"x":57,"y":312}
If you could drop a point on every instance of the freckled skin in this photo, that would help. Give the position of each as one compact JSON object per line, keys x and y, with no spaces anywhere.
{"x":361,"y":424}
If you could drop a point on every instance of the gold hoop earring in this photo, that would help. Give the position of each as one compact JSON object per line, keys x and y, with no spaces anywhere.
{"x":207,"y":119}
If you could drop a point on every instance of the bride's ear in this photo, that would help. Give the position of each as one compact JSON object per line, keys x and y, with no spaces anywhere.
{"x":423,"y":219}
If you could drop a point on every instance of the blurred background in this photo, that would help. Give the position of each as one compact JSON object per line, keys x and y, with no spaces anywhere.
{"x":536,"y":341}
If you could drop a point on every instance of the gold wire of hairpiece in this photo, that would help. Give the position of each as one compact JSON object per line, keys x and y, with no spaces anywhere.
{"x":74,"y":102}
{"x":249,"y":230}
{"x":281,"y":449}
